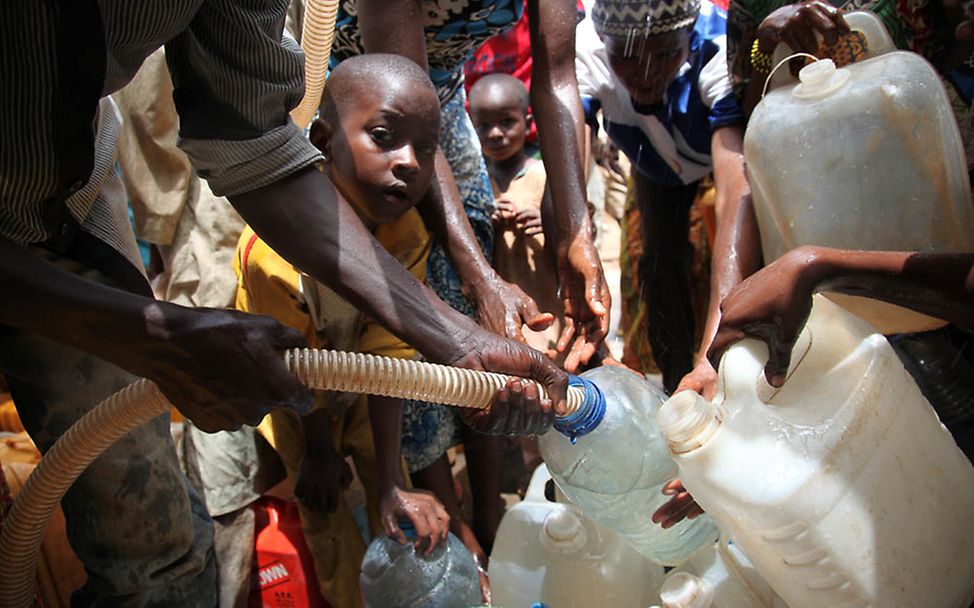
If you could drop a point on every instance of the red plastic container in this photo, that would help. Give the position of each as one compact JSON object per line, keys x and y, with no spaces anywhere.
{"x":285,"y":569}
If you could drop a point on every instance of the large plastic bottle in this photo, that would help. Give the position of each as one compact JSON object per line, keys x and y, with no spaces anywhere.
{"x":718,"y":576}
{"x":842,"y":488}
{"x":396,"y":575}
{"x":614,"y":473}
{"x":549,"y":552}
{"x":867,"y":156}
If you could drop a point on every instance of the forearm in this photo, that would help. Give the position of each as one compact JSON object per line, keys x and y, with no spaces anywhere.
{"x":42,"y":298}
{"x":554,"y":97}
{"x":303,"y":219}
{"x":737,"y":243}
{"x":444,"y":215}
{"x":316,"y":428}
{"x":937,"y":284}
{"x":385,"y":416}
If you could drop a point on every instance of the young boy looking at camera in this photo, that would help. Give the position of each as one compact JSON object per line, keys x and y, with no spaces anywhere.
{"x":377,"y":130}
{"x":499,"y":110}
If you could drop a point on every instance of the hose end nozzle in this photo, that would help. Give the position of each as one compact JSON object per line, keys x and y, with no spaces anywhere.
{"x":587,"y":417}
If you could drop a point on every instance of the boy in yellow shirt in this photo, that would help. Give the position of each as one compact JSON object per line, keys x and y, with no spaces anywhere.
{"x":378,"y":131}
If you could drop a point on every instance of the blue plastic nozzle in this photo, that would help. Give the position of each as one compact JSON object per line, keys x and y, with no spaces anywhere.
{"x":588,"y":416}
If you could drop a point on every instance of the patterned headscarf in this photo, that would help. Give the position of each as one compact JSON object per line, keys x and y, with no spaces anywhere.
{"x":643,"y":18}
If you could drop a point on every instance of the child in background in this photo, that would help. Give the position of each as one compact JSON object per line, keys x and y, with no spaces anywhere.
{"x":377,"y":131}
{"x":499,"y":109}
{"x":500,"y":113}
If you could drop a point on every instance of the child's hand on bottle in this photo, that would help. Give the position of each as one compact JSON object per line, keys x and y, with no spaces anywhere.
{"x":426,"y":513}
{"x":529,"y":221}
{"x":320,"y":480}
{"x":680,"y":506}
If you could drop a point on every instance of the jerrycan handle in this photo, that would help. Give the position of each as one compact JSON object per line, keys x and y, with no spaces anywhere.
{"x":866,"y":23}
{"x":742,"y":376}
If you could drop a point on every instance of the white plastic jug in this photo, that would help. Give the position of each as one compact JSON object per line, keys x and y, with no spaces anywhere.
{"x":842,"y":488}
{"x":867,"y":156}
{"x":614,"y":473}
{"x":549,"y":552}
{"x":719,"y":576}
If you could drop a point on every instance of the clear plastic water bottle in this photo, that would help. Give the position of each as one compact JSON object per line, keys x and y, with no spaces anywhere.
{"x":614,"y":467}
{"x":396,"y":575}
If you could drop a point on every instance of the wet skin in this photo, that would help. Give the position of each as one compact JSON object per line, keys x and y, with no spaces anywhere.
{"x":646,"y":66}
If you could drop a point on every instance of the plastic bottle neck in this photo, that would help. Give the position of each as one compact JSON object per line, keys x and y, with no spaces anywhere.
{"x":587,"y":417}
{"x":684,"y":590}
{"x":688,"y":421}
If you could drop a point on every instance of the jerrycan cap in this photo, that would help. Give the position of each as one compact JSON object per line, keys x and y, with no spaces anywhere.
{"x":819,"y":79}
{"x":687,"y":421}
{"x":564,"y":531}
{"x":684,"y":590}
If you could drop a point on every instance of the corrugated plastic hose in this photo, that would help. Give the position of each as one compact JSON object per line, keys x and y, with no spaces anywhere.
{"x":141,"y":401}
{"x":316,"y":35}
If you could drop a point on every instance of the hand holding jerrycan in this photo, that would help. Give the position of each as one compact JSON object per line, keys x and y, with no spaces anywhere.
{"x":842,"y":488}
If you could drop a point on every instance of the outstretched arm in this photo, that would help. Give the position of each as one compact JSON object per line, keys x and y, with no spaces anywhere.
{"x":220,"y":368}
{"x":558,"y":110}
{"x":774,"y":304}
{"x":324,"y":237}
{"x":737,"y":245}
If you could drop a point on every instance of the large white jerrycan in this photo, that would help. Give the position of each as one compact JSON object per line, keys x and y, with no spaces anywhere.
{"x":549,"y":552}
{"x":867,"y":156}
{"x":718,"y":576}
{"x":842,"y":488}
{"x":615,"y":473}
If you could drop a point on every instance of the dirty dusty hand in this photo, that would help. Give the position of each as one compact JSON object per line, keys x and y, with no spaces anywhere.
{"x":429,"y":518}
{"x":220,"y":368}
{"x":517,"y":409}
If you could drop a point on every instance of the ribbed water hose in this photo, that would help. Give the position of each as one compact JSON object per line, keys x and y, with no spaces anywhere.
{"x":317,"y":33}
{"x":141,"y":401}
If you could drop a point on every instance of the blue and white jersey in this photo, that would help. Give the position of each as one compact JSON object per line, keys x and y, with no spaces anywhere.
{"x":671,"y":146}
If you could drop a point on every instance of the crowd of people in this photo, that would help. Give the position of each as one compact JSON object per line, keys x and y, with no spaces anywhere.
{"x":416,"y":218}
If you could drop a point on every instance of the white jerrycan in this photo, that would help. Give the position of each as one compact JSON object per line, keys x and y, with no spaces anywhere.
{"x":549,"y":552}
{"x":842,"y":488}
{"x":718,"y":576}
{"x":866,"y":156}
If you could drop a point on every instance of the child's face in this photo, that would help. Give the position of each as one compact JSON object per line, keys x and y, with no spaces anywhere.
{"x":502,"y":125}
{"x":646,"y":66}
{"x":381,"y":158}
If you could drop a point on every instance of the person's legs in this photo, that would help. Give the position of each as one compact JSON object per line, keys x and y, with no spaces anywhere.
{"x":664,"y":276}
{"x":485,"y":457}
{"x":132,"y":518}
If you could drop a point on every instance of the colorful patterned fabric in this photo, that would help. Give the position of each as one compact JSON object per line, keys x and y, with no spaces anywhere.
{"x":641,"y":18}
{"x":453,"y":29}
{"x":428,"y":429}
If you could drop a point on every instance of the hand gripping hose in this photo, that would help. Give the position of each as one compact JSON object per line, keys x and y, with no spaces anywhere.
{"x":141,"y":401}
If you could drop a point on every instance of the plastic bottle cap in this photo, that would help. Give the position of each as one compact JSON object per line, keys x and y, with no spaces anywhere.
{"x":684,"y":590}
{"x":820,"y":78}
{"x":688,"y":421}
{"x":564,"y":531}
